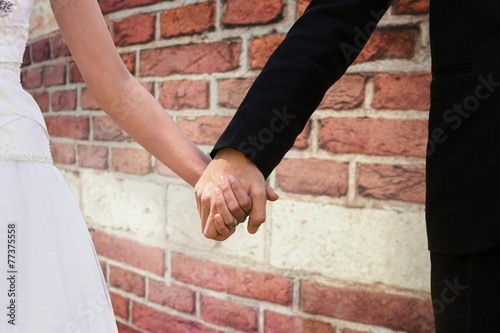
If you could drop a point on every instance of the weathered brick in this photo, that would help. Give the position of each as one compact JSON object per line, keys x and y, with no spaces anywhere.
{"x":390,"y":43}
{"x":158,"y":322}
{"x":204,"y":130}
{"x":188,"y":20}
{"x":129,"y":60}
{"x":229,"y":314}
{"x":94,"y":157}
{"x":40,"y":50}
{"x":392,"y":182}
{"x":384,"y":137}
{"x":262,"y":48}
{"x":134,"y":30}
{"x":65,"y":100}
{"x":276,"y":323}
{"x":74,"y":73}
{"x":237,"y":281}
{"x":42,"y":99}
{"x":122,"y":328}
{"x":346,"y":94}
{"x":63,"y":153}
{"x":244,"y":12}
{"x":32,"y":78}
{"x":203,"y":58}
{"x":54,"y":75}
{"x":127,"y":281}
{"x":180,"y":95}
{"x":302,"y":141}
{"x":68,"y":127}
{"x":130,"y":160}
{"x":59,"y":47}
{"x":348,"y":330}
{"x":173,"y":296}
{"x":411,"y":7}
{"x":142,"y":256}
{"x":120,"y":305}
{"x":232,"y":91}
{"x":163,"y":170}
{"x":27,"y":56}
{"x":402,"y":91}
{"x":105,"y":129}
{"x":329,"y":178}
{"x":396,"y":312}
{"x":108,"y":6}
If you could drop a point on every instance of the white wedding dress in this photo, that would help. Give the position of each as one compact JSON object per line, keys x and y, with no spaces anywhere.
{"x":50,"y":277}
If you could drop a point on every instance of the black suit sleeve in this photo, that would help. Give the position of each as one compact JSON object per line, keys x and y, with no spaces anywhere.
{"x":316,"y":52}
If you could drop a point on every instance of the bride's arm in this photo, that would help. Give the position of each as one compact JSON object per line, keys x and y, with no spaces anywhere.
{"x":119,"y":94}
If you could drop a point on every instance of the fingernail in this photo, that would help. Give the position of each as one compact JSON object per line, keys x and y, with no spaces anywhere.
{"x":222,"y":180}
{"x":253,"y":230}
{"x":232,"y":179}
{"x":219,"y":218}
{"x":217,"y":193}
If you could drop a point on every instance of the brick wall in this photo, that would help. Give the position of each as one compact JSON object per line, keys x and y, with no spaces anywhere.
{"x":344,"y":249}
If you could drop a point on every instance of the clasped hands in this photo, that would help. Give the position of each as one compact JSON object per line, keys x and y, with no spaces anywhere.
{"x":230,"y":189}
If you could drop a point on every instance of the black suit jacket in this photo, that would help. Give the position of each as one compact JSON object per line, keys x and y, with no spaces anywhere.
{"x":463,"y":162}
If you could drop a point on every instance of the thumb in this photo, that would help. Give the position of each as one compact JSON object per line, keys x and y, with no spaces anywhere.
{"x":258,"y":212}
{"x":271,"y":194}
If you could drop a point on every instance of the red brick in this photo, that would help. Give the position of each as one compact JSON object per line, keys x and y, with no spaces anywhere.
{"x":134,"y":30}
{"x":127,"y":281}
{"x":346,"y":94}
{"x":204,"y":130}
{"x":108,"y":6}
{"x":63,"y":153}
{"x":302,"y":141}
{"x":411,"y":7}
{"x":131,"y":160}
{"x":204,"y":58}
{"x":129,"y":61}
{"x":105,"y":129}
{"x":173,"y":296}
{"x":87,"y":101}
{"x":383,"y":137}
{"x":93,"y":157}
{"x":124,"y":250}
{"x":277,"y":323}
{"x":402,"y":91}
{"x":180,"y":95}
{"x":329,"y":177}
{"x":233,"y":91}
{"x":158,"y":322}
{"x":392,"y":182}
{"x":122,"y":328}
{"x":40,"y":50}
{"x":74,"y":73}
{"x":68,"y":127}
{"x":54,"y":75}
{"x":399,"y":313}
{"x":390,"y":43}
{"x":120,"y":305}
{"x":188,"y":20}
{"x":262,"y":48}
{"x":42,"y":99}
{"x":32,"y":78}
{"x":64,"y":100}
{"x":59,"y":47}
{"x":237,"y":281}
{"x":104,"y":269}
{"x":27,"y":56}
{"x":228,"y":314}
{"x":302,"y":6}
{"x":243,"y":12}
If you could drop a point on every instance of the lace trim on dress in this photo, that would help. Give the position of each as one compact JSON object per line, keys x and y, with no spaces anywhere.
{"x":10,"y":71}
{"x":14,"y":38}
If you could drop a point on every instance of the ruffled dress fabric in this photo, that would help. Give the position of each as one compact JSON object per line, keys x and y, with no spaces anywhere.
{"x":50,"y":278}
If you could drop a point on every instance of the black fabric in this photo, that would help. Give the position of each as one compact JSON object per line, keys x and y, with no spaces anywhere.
{"x":464,"y":127}
{"x":466,"y":293}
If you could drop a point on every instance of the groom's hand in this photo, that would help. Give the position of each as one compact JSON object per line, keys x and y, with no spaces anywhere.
{"x":229,"y":162}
